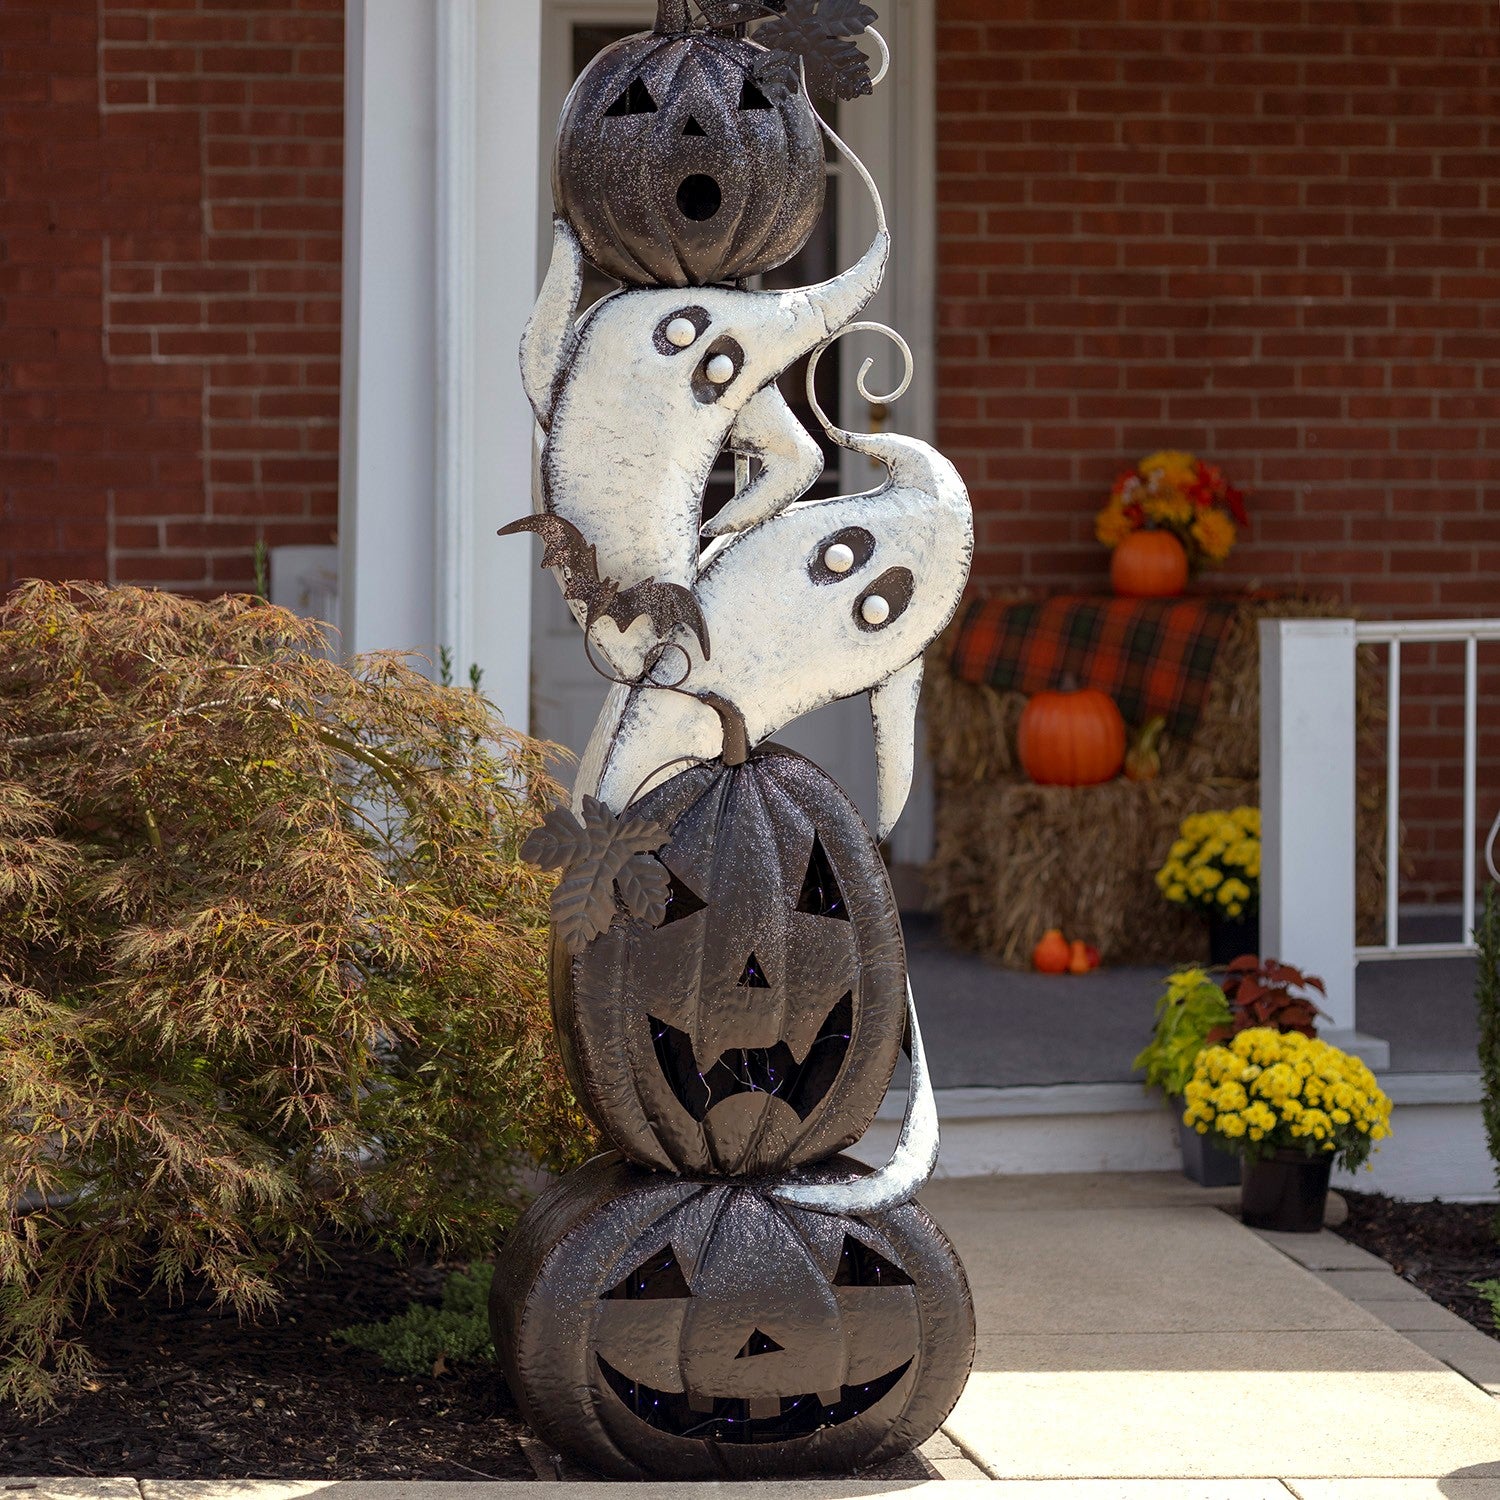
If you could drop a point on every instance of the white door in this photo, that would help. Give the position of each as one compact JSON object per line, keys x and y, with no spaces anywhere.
{"x":884,"y":131}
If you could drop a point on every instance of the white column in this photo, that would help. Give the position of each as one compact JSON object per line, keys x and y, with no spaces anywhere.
{"x":441,"y":157}
{"x":1307,"y":792}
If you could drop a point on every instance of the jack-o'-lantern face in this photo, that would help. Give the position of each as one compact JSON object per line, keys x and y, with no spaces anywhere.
{"x":676,"y":169}
{"x":757,"y":1027}
{"x":719,"y":1332}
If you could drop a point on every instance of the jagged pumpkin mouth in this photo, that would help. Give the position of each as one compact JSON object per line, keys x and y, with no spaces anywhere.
{"x":741,"y":1419}
{"x":774,"y":1071}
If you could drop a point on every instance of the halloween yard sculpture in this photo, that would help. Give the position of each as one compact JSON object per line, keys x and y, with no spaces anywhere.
{"x":723,"y":1295}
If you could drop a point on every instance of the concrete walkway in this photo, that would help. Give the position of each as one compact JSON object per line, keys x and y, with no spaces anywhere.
{"x":1135,"y":1343}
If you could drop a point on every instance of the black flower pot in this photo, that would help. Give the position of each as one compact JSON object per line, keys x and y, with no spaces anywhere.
{"x":1229,"y":937}
{"x":1204,"y":1161}
{"x":1286,"y":1191}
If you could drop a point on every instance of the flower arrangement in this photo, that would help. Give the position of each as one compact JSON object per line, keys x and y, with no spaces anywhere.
{"x":1266,"y":1091}
{"x":1214,"y":864}
{"x":1177,"y":492}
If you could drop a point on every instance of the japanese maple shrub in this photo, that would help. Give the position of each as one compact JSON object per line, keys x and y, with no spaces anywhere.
{"x":270,"y":963}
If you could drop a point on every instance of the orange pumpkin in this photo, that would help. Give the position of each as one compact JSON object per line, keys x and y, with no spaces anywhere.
{"x":1051,"y":954}
{"x":1071,"y":738}
{"x":1149,"y":565}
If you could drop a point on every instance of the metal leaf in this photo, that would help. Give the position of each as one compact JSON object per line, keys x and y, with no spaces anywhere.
{"x":819,"y":33}
{"x":644,"y":886}
{"x":845,"y":17}
{"x":595,"y":855}
{"x":559,"y":841}
{"x":778,"y":74}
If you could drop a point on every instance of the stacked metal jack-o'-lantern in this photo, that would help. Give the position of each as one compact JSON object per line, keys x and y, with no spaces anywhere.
{"x":724,"y":1294}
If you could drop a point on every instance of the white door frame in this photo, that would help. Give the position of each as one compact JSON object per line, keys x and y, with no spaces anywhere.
{"x":896,"y":142}
{"x":441,"y":129}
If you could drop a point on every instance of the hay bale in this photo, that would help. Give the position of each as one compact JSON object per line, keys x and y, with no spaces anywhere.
{"x":1012,"y":859}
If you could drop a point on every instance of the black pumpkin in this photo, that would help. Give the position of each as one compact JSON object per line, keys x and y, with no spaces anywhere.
{"x":675,"y":169}
{"x":758,"y":1026}
{"x":651,"y":1326}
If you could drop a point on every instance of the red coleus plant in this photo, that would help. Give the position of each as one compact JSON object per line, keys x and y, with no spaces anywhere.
{"x":1267,"y":992}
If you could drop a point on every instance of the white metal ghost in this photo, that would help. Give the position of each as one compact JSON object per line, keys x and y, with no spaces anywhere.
{"x":828,"y":599}
{"x":637,"y":398}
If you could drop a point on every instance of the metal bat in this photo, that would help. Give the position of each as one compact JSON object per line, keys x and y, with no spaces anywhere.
{"x":564,"y":548}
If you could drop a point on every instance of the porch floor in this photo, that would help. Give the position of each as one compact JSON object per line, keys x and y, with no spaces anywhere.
{"x":989,"y":1027}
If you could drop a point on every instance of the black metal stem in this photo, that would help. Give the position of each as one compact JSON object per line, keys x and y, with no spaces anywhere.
{"x":672,"y":16}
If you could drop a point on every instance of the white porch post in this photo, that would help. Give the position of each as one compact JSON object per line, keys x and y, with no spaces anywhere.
{"x":1307,"y":790}
{"x":441,"y":121}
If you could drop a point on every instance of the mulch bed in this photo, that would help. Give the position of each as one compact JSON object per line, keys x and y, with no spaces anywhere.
{"x":1438,"y":1247}
{"x":184,"y":1392}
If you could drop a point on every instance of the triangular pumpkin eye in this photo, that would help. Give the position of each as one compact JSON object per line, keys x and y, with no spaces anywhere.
{"x":658,"y":1277}
{"x":821,"y":896}
{"x":859,"y":1265}
{"x":636,"y":100}
{"x":693,"y":127}
{"x":682,"y":900}
{"x":752,"y":98}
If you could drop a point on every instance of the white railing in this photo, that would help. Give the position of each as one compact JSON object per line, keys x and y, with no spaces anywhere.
{"x":1391,"y":634}
{"x":1308,"y":765}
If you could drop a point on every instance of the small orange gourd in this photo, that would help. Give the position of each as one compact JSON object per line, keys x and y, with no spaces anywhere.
{"x":1149,"y":565}
{"x":1051,"y":954}
{"x":1071,"y":738}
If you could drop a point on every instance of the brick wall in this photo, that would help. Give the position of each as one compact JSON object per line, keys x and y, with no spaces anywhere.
{"x":169,"y":262}
{"x":1264,"y":230}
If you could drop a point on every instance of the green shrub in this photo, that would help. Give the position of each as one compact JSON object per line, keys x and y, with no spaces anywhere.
{"x":270,"y":964}
{"x":1487,"y":995}
{"x":1189,"y":1008}
{"x":458,"y":1332}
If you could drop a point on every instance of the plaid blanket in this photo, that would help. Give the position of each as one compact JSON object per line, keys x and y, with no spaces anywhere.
{"x":1152,"y":656}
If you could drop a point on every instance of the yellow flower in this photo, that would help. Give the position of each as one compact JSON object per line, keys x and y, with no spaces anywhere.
{"x":1214,"y":533}
{"x":1170,"y":507}
{"x":1112,"y":525}
{"x":1175,"y":466}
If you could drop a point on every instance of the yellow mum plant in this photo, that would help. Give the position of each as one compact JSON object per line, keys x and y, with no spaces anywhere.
{"x":1265,"y":1091}
{"x":1214,"y":863}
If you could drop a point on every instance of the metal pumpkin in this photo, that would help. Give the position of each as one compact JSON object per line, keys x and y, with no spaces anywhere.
{"x":674,"y":168}
{"x":652,"y":1326}
{"x":1071,"y":738}
{"x":757,"y":1027}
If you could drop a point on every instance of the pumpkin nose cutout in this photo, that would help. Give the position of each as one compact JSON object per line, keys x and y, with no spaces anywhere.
{"x":699,"y":197}
{"x":693,"y":127}
{"x":752,"y":978}
{"x":759,"y":1343}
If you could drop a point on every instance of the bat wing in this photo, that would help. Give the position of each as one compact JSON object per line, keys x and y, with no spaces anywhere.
{"x":564,"y":547}
{"x":667,"y":604}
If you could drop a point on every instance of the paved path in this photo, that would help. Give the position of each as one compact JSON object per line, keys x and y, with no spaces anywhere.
{"x":1135,"y":1343}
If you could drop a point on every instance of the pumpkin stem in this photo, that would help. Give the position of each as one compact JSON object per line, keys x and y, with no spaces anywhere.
{"x":736,"y":736}
{"x":672,"y":16}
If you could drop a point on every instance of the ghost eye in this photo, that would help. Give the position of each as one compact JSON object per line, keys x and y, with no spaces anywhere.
{"x":859,"y":1265}
{"x":722,"y":361}
{"x":680,"y":330}
{"x":885,"y":600}
{"x":658,"y":1277}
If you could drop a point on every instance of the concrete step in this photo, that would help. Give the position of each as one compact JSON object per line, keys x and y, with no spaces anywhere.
{"x":1437,"y":1147}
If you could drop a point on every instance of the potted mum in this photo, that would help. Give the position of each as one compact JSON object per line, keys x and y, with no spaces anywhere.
{"x":1213,"y":867}
{"x":1292,"y":1108}
{"x":1170,"y":517}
